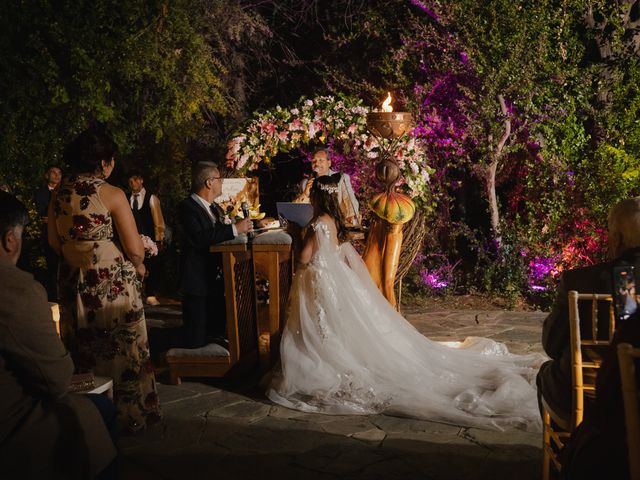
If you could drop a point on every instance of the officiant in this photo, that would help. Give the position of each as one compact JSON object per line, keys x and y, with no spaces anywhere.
{"x":203,"y":224}
{"x":321,"y":165}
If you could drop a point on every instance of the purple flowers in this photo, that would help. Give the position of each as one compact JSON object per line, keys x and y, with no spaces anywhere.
{"x":540,"y":269}
{"x":432,"y":280}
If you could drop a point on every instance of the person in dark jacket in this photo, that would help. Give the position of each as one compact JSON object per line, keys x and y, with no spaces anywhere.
{"x":147,"y":213}
{"x":598,"y":447}
{"x":48,"y":277}
{"x":554,"y":377}
{"x":202,"y":223}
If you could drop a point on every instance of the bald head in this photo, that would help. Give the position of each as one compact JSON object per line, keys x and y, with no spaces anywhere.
{"x":624,"y":226}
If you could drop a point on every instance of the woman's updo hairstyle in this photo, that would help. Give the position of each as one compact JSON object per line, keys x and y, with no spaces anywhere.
{"x":84,"y":154}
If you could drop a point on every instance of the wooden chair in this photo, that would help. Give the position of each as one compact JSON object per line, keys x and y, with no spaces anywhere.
{"x":585,"y":360}
{"x":627,"y":359}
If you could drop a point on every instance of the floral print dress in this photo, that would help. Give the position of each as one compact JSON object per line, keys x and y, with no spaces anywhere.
{"x":103,"y":323}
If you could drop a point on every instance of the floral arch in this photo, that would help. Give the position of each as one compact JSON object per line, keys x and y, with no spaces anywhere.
{"x":341,"y":124}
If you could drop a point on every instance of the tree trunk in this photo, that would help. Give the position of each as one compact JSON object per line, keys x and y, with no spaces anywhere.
{"x":492,"y":168}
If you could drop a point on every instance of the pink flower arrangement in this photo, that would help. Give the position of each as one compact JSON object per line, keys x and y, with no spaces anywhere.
{"x":150,"y":247}
{"x":342,"y":124}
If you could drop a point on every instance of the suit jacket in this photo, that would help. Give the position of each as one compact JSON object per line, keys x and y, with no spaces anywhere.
{"x":42,"y":198}
{"x":554,"y":377}
{"x":598,"y":447}
{"x":200,"y":267}
{"x":44,"y":431}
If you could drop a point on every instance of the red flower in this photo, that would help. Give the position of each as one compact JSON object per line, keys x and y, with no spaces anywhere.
{"x":133,"y":316}
{"x":117,"y":287}
{"x":81,"y":224}
{"x":98,"y":219}
{"x":91,"y":278}
{"x":92,"y":302}
{"x":104,"y":273}
{"x":85,"y":189}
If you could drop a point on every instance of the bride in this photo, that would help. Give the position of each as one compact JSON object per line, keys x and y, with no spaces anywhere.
{"x":345,"y":350}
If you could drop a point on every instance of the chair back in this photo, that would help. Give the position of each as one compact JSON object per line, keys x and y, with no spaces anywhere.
{"x":588,"y":345}
{"x":628,"y":358}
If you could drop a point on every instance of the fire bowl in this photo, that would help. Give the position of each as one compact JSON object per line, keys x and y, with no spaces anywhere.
{"x":389,"y":124}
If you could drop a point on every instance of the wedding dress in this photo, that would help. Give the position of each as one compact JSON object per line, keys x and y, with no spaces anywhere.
{"x":345,"y":350}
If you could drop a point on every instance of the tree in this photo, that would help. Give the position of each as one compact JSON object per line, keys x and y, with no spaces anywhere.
{"x":141,"y":67}
{"x":516,"y":47}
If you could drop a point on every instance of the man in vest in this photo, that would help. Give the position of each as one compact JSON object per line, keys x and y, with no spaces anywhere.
{"x":150,"y":222}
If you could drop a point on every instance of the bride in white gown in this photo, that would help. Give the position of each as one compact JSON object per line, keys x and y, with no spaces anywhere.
{"x":345,"y":350}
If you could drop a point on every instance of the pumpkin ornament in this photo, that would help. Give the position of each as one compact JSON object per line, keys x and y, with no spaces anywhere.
{"x":393,"y":209}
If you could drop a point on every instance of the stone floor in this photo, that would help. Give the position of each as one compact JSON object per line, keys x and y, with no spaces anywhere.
{"x":228,"y":429}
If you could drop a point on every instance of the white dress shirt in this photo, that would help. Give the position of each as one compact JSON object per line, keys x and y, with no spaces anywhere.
{"x":156,"y":212}
{"x":207,"y":208}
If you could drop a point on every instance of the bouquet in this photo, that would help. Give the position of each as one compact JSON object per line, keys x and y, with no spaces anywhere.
{"x":150,"y":247}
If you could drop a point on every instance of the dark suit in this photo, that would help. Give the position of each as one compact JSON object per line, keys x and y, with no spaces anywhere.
{"x":48,"y":277}
{"x":598,"y":447}
{"x":201,"y":273}
{"x":554,"y":377}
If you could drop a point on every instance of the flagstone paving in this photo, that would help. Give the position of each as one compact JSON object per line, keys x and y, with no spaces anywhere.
{"x":226,"y":428}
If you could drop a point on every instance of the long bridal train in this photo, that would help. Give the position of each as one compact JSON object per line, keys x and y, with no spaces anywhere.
{"x":345,"y":350}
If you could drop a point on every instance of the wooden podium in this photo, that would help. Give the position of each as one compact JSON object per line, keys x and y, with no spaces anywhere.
{"x":273,"y":267}
{"x":257,"y":279}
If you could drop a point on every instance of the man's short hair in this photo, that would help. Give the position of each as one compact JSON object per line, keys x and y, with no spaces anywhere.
{"x":13,"y":213}
{"x":202,"y":172}
{"x":324,"y":150}
{"x":136,"y":174}
{"x":624,"y":226}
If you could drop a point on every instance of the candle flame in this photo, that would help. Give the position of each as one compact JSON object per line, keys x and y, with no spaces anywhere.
{"x":386,"y":105}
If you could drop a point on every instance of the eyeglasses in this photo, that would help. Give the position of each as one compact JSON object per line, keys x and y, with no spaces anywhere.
{"x":214,"y":178}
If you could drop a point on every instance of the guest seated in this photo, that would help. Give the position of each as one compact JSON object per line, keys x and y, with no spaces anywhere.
{"x":321,"y":165}
{"x":598,"y":447}
{"x":554,"y":377}
{"x":45,"y":432}
{"x":202,"y":224}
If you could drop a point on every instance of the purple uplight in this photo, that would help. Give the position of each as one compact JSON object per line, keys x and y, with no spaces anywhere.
{"x":432,"y":280}
{"x":540,"y":269}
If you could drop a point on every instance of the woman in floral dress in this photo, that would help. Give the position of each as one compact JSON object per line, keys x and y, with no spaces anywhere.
{"x":103,"y":322}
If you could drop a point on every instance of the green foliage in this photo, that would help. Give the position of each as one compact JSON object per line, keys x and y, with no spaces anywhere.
{"x":140,"y":67}
{"x":614,"y":170}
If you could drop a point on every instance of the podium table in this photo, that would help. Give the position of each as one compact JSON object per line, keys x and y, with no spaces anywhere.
{"x":257,"y":278}
{"x":273,"y":267}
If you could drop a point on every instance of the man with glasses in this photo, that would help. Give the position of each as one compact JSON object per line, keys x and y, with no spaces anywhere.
{"x":202,"y":224}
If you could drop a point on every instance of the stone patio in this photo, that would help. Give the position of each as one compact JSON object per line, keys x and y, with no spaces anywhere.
{"x":226,"y":428}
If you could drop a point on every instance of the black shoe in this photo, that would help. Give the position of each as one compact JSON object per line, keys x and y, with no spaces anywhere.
{"x":222,"y":341}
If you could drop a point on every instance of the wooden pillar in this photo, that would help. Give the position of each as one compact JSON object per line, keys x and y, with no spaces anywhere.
{"x":273,"y":267}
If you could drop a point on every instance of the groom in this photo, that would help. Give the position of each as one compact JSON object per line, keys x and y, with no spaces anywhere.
{"x":203,"y":225}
